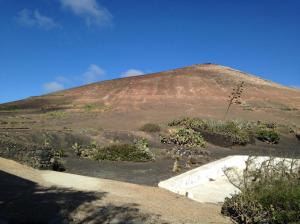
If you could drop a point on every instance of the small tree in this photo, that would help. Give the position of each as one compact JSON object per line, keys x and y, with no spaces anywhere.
{"x":235,"y":96}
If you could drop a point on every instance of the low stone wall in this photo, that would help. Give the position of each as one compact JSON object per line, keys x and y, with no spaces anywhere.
{"x":32,"y":155}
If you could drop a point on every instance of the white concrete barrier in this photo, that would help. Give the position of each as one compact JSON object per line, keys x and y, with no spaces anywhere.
{"x":208,"y":183}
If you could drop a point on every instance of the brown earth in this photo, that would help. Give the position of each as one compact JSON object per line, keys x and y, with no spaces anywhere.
{"x":199,"y":90}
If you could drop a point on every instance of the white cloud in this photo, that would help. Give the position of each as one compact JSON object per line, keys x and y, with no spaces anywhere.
{"x":93,"y":74}
{"x":53,"y":87}
{"x":36,"y":19}
{"x":132,"y":72}
{"x":63,"y":80}
{"x":89,"y":10}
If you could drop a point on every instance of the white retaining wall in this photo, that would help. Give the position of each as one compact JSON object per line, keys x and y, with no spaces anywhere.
{"x":208,"y":183}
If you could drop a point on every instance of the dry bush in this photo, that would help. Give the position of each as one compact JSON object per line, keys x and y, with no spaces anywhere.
{"x":138,"y":151}
{"x":149,"y":127}
{"x":184,"y":137}
{"x":236,"y":131}
{"x":239,"y":132}
{"x":269,"y":192}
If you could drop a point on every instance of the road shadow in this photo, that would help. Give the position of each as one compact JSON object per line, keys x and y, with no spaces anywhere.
{"x":23,"y":201}
{"x":125,"y":214}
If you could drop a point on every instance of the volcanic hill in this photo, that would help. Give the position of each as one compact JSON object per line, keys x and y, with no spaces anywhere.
{"x":198,"y":90}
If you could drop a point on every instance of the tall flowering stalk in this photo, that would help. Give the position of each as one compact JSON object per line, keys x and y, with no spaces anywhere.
{"x":235,"y":96}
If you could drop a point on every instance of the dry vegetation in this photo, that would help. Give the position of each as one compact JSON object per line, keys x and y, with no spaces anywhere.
{"x":237,"y":132}
{"x":269,"y":192}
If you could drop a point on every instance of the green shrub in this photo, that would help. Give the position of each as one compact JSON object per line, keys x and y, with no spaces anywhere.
{"x":123,"y":152}
{"x":138,"y":151}
{"x":266,"y":134}
{"x":93,"y":106}
{"x":149,"y":127}
{"x":90,"y":107}
{"x":56,"y":114}
{"x":60,"y":153}
{"x":269,"y":193}
{"x":180,"y":122}
{"x":86,"y":151}
{"x":77,"y":149}
{"x":239,"y":132}
{"x":184,"y":137}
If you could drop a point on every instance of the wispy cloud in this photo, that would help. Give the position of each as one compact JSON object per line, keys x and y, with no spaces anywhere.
{"x":132,"y":72}
{"x":93,"y":74}
{"x":91,"y":11}
{"x":63,"y":80}
{"x":34,"y":18}
{"x":53,"y":87}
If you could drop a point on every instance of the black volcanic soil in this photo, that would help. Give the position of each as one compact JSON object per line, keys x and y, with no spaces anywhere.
{"x":144,"y":173}
{"x":151,"y":173}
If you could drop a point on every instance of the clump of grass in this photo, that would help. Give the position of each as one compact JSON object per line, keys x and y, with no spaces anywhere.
{"x":93,"y":106}
{"x":90,"y":107}
{"x":149,"y":127}
{"x":269,"y":192}
{"x":184,"y":137}
{"x":56,"y":114}
{"x":60,"y":153}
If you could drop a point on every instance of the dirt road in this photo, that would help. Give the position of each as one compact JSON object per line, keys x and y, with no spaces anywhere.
{"x":53,"y":197}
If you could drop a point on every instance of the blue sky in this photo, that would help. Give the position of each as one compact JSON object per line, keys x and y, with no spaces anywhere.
{"x":48,"y":45}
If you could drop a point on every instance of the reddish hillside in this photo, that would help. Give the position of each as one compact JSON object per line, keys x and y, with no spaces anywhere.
{"x":199,"y":90}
